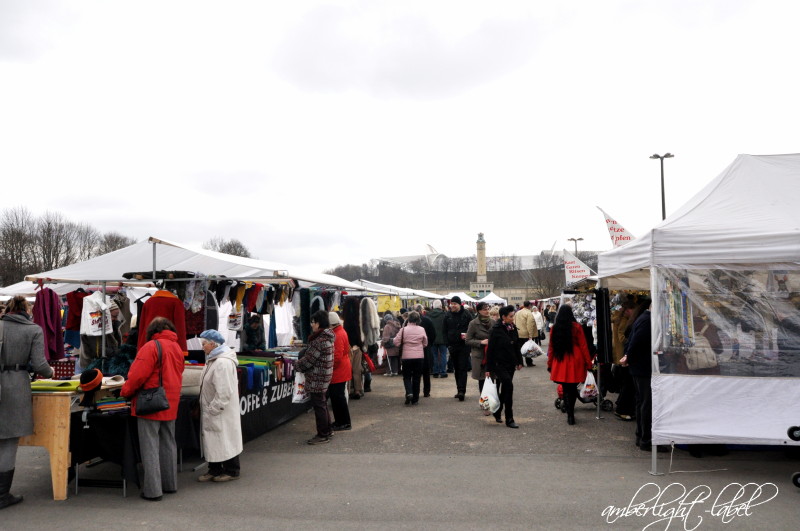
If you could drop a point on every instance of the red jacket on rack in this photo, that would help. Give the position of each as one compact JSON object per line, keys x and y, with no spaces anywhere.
{"x":163,"y":304}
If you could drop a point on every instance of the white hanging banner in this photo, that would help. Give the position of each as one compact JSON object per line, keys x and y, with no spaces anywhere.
{"x":574,"y":269}
{"x":619,"y":236}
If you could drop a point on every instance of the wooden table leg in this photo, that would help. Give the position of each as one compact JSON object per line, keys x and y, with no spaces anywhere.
{"x":51,"y":418}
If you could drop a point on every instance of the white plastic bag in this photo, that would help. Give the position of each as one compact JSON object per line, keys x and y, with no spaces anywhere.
{"x":381,"y":355}
{"x":299,"y":393}
{"x":489,"y":400}
{"x":589,"y":389}
{"x":527,"y":347}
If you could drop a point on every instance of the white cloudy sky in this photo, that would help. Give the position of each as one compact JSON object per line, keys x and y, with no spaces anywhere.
{"x":322,"y":133}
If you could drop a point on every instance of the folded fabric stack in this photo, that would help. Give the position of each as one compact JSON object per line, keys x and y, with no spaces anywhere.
{"x":112,"y":404}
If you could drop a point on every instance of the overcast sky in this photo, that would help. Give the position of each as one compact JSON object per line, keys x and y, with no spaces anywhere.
{"x":324,"y":133}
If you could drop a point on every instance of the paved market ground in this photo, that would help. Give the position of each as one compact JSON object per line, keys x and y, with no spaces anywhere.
{"x":439,"y":465}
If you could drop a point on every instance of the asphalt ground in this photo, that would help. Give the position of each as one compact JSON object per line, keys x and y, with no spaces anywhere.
{"x":441,"y":464}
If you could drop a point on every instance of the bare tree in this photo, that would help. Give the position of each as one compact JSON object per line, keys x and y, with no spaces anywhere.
{"x":87,"y":241}
{"x":232,"y":246}
{"x":55,"y":241}
{"x":549,"y":278}
{"x":113,"y":241}
{"x":17,"y":242}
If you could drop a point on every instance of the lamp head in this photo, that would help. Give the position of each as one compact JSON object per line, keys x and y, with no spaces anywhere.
{"x":668,"y":156}
{"x":655,"y":156}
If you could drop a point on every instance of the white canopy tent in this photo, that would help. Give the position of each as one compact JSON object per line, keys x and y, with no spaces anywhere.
{"x":386,"y":289}
{"x":723,"y":270}
{"x":163,"y":255}
{"x":463,"y":296}
{"x":491,"y":298}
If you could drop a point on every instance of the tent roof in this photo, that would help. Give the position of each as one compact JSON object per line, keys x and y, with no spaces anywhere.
{"x":387,"y":289}
{"x":464,"y":297}
{"x":171,"y":256}
{"x":492,"y":297}
{"x":747,"y":215}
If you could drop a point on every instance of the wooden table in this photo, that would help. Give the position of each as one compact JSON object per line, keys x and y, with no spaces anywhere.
{"x":51,"y":417}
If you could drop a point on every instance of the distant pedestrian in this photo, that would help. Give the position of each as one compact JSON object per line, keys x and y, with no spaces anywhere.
{"x":427,"y":364}
{"x":390,"y":328}
{"x":526,"y":326}
{"x":412,"y":339}
{"x":439,"y":347}
{"x":503,"y":358}
{"x":478,"y":339}
{"x":455,"y":329}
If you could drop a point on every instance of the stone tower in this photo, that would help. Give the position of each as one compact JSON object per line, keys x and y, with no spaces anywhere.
{"x":481,"y":258}
{"x":481,"y":287}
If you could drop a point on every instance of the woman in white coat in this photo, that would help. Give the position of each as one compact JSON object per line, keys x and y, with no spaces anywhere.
{"x":221,"y":423}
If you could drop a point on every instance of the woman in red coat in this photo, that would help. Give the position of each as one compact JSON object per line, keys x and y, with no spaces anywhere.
{"x":157,"y":430}
{"x":568,"y":357}
{"x":342,"y":373}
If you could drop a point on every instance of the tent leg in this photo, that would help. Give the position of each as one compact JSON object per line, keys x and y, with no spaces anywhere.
{"x":654,"y":462}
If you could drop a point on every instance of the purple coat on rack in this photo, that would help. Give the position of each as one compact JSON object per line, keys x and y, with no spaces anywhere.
{"x":47,"y":314}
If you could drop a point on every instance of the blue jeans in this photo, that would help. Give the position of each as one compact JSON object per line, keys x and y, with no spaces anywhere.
{"x":439,"y":359}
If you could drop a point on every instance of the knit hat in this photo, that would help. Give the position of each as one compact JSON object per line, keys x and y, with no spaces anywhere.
{"x":456,"y":299}
{"x":213,"y":335}
{"x":90,"y":382}
{"x":113,"y":306}
{"x":333,"y":319}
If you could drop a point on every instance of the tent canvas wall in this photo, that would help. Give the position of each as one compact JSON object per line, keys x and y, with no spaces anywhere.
{"x":724,"y":273}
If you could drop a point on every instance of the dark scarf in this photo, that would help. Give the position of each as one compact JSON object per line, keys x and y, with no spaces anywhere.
{"x":485,"y":320}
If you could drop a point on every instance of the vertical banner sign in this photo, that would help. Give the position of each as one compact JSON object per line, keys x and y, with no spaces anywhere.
{"x":619,"y":236}
{"x":574,"y":269}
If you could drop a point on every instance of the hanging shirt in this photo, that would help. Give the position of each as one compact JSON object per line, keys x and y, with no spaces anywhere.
{"x":95,"y":306}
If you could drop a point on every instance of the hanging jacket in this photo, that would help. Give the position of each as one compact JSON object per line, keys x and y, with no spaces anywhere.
{"x":162,"y":304}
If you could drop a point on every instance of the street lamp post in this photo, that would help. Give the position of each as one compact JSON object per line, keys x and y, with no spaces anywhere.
{"x":663,"y":202}
{"x":576,"y":240}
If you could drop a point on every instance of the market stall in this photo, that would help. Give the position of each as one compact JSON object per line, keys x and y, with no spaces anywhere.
{"x":723,"y":272}
{"x":189,"y":280}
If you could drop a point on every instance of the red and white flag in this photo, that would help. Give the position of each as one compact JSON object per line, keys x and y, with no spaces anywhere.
{"x":574,"y":269}
{"x":619,"y":236}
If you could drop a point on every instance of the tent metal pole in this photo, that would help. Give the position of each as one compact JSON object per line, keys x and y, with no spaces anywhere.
{"x":103,"y":325}
{"x":154,"y":262}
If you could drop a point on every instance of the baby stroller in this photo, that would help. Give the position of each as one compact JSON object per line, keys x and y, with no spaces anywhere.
{"x":605,"y":405}
{"x":794,"y":434}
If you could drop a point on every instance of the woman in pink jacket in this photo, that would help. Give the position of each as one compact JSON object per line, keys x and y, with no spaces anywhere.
{"x":412,"y":341}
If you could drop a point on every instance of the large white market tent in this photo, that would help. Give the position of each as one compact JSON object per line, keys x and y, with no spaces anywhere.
{"x":463,"y":296}
{"x":492,"y":298}
{"x":163,"y":255}
{"x":387,"y":289}
{"x":746,"y":218}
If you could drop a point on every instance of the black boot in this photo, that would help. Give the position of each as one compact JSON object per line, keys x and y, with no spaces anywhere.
{"x":571,"y":398}
{"x":6,"y":498}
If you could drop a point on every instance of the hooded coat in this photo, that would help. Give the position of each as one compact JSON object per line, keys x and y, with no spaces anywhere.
{"x":342,"y":368}
{"x":23,"y":344}
{"x":221,"y":421}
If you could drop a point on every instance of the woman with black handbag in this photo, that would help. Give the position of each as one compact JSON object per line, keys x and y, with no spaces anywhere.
{"x":157,"y":373}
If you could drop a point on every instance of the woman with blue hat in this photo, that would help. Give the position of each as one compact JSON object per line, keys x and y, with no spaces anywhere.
{"x":221,"y":422}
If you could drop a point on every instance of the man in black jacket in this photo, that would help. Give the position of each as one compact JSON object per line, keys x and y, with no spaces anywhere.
{"x":455,"y":330}
{"x":639,"y":358}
